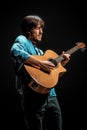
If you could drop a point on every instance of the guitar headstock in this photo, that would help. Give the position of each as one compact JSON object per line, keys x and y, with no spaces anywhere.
{"x":81,"y":46}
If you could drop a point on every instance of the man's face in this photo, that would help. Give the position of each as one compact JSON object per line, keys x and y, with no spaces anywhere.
{"x":36,"y":34}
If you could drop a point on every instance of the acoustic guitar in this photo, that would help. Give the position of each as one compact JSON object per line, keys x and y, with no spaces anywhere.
{"x":42,"y":81}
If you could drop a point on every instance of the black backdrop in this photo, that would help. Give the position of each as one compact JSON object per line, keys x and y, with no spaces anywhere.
{"x":65,"y":24}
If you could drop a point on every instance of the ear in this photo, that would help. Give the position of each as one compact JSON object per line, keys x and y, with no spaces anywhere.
{"x":29,"y":34}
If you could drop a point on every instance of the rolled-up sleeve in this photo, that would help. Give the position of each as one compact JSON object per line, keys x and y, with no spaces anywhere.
{"x":18,"y":51}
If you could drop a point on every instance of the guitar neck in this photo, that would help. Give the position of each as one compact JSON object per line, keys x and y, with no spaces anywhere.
{"x":71,"y":51}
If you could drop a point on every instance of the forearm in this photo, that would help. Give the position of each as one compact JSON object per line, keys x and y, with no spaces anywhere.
{"x":40,"y":64}
{"x":33,"y":61}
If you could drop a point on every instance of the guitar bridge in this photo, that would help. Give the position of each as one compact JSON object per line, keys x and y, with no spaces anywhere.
{"x":45,"y":71}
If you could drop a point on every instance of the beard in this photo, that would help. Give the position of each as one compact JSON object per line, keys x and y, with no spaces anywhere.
{"x":37,"y":39}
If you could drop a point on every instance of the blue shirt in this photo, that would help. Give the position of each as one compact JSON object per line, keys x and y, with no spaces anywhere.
{"x":21,"y":50}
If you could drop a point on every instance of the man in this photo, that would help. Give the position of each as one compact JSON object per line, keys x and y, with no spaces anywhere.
{"x":41,"y":111}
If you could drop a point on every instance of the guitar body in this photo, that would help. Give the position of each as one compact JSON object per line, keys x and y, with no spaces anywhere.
{"x":44,"y":80}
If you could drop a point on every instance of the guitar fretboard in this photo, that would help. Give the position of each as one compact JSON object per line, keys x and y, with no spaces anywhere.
{"x":71,"y":51}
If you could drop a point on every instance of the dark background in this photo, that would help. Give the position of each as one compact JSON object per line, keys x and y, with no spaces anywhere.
{"x":65,"y":24}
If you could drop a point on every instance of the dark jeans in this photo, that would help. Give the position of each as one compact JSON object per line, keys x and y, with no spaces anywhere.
{"x":42,"y":112}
